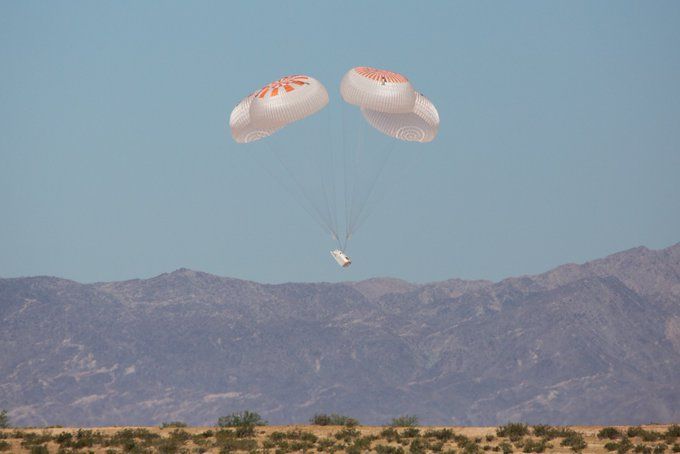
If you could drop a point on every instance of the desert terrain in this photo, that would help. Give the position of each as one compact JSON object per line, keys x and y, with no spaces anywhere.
{"x":344,"y":439}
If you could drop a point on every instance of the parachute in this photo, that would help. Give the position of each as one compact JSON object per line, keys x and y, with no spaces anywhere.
{"x":385,"y":100}
{"x":242,"y":129}
{"x":276,"y":105}
{"x":419,"y":125}
{"x":378,"y":89}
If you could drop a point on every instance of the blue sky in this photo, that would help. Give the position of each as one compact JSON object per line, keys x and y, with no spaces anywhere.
{"x":560,"y":136}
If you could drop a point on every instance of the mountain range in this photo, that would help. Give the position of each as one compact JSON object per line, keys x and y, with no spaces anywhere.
{"x":595,"y":343}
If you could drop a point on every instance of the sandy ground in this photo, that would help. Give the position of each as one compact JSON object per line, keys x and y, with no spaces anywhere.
{"x":595,"y":445}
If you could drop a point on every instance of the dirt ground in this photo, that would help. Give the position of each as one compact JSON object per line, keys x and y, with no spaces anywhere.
{"x":204,"y":439}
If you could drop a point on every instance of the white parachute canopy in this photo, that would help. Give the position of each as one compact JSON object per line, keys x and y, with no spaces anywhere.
{"x":377,"y":89}
{"x":420,"y":125}
{"x":242,"y":129}
{"x":389,"y":103}
{"x":276,"y":105}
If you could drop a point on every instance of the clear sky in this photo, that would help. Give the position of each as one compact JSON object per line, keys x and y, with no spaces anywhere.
{"x":560,"y":136}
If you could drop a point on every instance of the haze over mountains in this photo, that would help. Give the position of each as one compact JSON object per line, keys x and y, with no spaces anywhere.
{"x":597,"y":343}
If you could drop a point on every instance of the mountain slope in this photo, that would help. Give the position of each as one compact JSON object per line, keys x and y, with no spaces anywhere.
{"x":591,"y":343}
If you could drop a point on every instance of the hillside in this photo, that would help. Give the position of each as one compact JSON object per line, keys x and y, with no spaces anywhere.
{"x":597,"y":343}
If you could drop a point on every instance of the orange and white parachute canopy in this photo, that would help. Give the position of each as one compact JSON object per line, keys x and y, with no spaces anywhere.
{"x":420,"y":125}
{"x":276,"y":105}
{"x":242,"y":129}
{"x":377,"y":89}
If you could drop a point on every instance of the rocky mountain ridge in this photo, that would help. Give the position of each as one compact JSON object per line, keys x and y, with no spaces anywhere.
{"x":596,"y":343}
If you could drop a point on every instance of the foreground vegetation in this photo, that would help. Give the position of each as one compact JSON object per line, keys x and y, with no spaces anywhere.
{"x":250,"y":435}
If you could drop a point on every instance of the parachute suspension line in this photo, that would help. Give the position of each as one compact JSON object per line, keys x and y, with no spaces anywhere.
{"x":325,"y":223}
{"x":344,"y":150}
{"x":358,"y":153}
{"x":312,"y":151}
{"x":331,"y":152}
{"x":358,"y":220}
{"x":288,"y":188}
{"x":323,"y":172}
{"x":318,"y":217}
